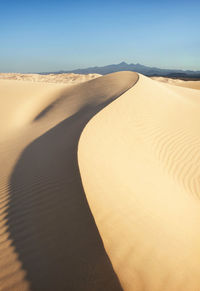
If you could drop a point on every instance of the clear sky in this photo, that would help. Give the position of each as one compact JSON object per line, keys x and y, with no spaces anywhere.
{"x":50,"y":35}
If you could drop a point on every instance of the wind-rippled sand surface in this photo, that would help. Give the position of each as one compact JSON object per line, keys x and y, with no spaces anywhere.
{"x":49,"y":240}
{"x":140,"y":163}
{"x":134,"y":222}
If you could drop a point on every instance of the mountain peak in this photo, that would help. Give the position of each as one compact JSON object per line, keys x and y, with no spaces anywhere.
{"x":123,"y":63}
{"x":145,"y":70}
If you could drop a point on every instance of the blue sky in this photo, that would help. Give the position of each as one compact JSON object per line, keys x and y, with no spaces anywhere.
{"x":38,"y":36}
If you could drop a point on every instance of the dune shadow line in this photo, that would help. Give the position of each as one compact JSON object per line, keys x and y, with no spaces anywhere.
{"x":49,"y":220}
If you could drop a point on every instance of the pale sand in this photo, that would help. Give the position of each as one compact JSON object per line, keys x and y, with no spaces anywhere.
{"x":68,"y":78}
{"x":139,"y":160}
{"x":178,"y":82}
{"x":49,"y":240}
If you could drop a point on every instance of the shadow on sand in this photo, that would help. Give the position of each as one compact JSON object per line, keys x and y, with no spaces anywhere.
{"x":49,"y":220}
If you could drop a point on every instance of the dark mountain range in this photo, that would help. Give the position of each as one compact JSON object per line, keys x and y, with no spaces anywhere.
{"x":145,"y":70}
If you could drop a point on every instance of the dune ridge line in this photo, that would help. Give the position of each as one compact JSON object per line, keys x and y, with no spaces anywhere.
{"x":139,"y":161}
{"x":49,"y":240}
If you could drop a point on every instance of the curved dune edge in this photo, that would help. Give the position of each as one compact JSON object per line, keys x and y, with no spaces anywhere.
{"x":49,"y":240}
{"x":139,"y":161}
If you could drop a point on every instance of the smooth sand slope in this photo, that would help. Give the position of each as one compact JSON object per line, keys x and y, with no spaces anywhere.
{"x":139,"y":160}
{"x":178,"y":82}
{"x":49,"y":240}
{"x":21,"y":101}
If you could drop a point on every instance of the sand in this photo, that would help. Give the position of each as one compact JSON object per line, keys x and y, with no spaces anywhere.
{"x":49,"y":240}
{"x":66,"y":78}
{"x":139,"y":160}
{"x":99,"y":185}
{"x":178,"y":82}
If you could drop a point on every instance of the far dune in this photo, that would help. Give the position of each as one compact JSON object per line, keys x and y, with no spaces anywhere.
{"x":66,"y":78}
{"x":178,"y":82}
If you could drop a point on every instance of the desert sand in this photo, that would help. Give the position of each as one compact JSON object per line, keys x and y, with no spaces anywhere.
{"x":178,"y":82}
{"x":139,"y":160}
{"x":99,"y":185}
{"x":69,"y":79}
{"x":49,"y":240}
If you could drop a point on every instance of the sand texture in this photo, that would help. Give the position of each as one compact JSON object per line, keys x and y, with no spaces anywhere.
{"x":99,"y":185}
{"x":178,"y":82}
{"x":139,"y":160}
{"x":50,"y":78}
{"x":49,"y":240}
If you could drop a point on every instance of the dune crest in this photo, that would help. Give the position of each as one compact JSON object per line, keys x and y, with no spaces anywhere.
{"x":139,"y":160}
{"x":49,"y":240}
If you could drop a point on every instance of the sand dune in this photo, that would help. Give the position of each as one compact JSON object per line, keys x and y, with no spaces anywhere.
{"x":139,"y":160}
{"x":178,"y":82}
{"x":20,"y":102}
{"x":138,"y":157}
{"x":49,"y":240}
{"x":65,"y":78}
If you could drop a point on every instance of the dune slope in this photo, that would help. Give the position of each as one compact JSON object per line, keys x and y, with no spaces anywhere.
{"x":49,"y":240}
{"x":139,"y":160}
{"x":178,"y":82}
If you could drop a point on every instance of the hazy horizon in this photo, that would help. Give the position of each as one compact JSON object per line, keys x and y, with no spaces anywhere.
{"x":60,"y":35}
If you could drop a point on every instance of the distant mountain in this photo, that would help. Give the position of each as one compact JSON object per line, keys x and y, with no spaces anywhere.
{"x":145,"y":70}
